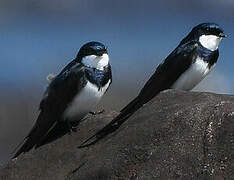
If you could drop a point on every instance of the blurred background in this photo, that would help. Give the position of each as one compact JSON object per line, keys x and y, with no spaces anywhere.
{"x":41,"y":37}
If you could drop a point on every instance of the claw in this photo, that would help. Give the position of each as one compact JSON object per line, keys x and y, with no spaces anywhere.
{"x":74,"y":129}
{"x":69,"y":127}
{"x":97,"y":112}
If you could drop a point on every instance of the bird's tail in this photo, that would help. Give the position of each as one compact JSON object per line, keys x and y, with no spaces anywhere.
{"x":125,"y":113}
{"x":60,"y":129}
{"x":27,"y":145}
{"x":31,"y":139}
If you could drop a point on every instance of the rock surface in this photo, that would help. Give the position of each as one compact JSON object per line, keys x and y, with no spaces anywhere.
{"x":177,"y":135}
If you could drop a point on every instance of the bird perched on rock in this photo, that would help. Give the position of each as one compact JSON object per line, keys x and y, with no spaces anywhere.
{"x":183,"y":69}
{"x":71,"y":95}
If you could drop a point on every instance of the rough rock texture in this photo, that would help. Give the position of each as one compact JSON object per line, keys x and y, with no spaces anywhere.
{"x":177,"y":135}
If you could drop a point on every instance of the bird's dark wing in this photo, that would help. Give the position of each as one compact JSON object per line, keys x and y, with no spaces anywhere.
{"x":59,"y":94}
{"x":163,"y":78}
{"x":60,"y":128}
{"x":109,"y":76}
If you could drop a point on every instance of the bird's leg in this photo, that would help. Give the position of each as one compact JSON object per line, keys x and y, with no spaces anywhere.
{"x":97,"y":112}
{"x":74,"y":128}
{"x":69,"y":127}
{"x":83,"y":119}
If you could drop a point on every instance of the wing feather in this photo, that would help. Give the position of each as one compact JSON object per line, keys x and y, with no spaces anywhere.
{"x":59,"y":94}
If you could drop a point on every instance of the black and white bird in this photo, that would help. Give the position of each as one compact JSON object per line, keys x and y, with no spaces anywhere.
{"x":183,"y":69}
{"x":70,"y":96}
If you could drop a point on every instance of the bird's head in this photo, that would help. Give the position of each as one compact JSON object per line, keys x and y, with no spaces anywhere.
{"x":208,"y":34}
{"x":94,"y":55}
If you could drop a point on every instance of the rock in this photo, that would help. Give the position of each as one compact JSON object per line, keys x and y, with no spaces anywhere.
{"x":177,"y":135}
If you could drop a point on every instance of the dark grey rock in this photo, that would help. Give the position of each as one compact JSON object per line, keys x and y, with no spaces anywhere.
{"x":178,"y":135}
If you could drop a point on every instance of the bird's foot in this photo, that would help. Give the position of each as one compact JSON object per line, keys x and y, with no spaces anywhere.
{"x":70,"y":128}
{"x":69,"y":132}
{"x":74,"y":129}
{"x":97,"y":112}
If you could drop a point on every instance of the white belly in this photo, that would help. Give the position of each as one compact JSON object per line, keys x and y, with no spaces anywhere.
{"x":84,"y":101}
{"x":191,"y":77}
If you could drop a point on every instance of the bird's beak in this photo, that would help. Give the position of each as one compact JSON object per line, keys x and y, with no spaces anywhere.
{"x":222,"y":35}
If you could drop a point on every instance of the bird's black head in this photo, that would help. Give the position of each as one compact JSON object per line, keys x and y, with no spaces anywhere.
{"x":94,"y":55}
{"x":208,"y":34}
{"x":92,"y":48}
{"x":208,"y":29}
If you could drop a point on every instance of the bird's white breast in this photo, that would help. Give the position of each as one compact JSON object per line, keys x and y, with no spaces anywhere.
{"x":192,"y":76}
{"x":85,"y":101}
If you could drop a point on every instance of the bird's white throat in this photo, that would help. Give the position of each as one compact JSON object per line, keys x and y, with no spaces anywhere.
{"x":98,"y":62}
{"x":85,"y":101}
{"x":210,"y":42}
